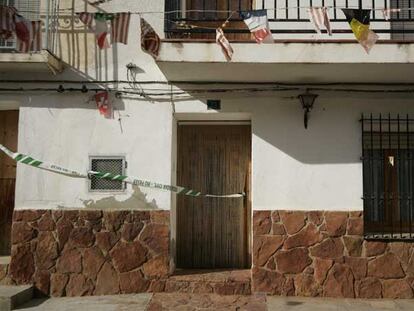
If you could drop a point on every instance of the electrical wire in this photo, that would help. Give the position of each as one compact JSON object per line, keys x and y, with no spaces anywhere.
{"x":211,"y":91}
{"x":177,"y":82}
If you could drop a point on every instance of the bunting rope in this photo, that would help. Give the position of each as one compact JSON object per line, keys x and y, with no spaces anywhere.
{"x":229,"y":11}
{"x":28,"y":160}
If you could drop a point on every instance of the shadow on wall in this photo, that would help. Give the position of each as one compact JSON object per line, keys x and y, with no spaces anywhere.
{"x":76,"y":46}
{"x":62,"y":101}
{"x":137,"y":201}
{"x":333,"y":134}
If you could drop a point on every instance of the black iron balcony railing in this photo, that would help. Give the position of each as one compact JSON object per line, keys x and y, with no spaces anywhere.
{"x":287,"y":18}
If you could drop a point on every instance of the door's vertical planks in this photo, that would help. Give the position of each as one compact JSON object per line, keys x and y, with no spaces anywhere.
{"x":212,"y":232}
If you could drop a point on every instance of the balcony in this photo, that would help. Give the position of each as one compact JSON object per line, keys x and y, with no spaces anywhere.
{"x":298,"y":53}
{"x":40,"y":59}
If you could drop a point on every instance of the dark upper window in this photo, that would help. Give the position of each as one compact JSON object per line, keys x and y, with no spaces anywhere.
{"x":388,"y":175}
{"x":205,"y":16}
{"x":30,"y":9}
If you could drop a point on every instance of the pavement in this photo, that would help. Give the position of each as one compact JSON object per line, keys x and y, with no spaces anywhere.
{"x":5,"y":260}
{"x":184,"y":302}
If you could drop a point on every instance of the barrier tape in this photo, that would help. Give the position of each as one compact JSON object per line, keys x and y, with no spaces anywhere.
{"x":28,"y":160}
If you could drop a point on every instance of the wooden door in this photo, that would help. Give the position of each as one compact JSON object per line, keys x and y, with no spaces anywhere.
{"x":8,"y":138}
{"x":212,"y":232}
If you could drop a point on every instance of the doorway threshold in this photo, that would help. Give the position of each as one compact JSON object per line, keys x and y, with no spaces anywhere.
{"x":205,"y":281}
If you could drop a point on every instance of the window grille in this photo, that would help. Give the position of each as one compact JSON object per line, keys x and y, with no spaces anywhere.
{"x":115,"y":165}
{"x":402,"y":25}
{"x":388,"y":176}
{"x":27,"y":8}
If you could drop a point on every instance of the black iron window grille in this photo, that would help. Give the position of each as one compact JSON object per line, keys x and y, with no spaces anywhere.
{"x":285,"y":17}
{"x":388,"y":176}
{"x":114,"y":165}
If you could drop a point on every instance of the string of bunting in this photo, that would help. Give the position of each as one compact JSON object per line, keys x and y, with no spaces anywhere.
{"x":256,"y":21}
{"x":358,"y":19}
{"x":281,"y":8}
{"x":28,"y":160}
{"x":117,"y":24}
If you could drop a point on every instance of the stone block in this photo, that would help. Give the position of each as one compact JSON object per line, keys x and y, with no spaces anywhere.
{"x":386,"y":266}
{"x":292,"y":261}
{"x":292,"y":220}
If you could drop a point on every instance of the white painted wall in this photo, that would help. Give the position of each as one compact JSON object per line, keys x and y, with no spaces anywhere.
{"x":313,"y":169}
{"x":68,"y":136}
{"x":293,"y":168}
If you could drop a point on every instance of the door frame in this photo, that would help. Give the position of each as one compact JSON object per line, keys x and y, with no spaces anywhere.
{"x":14,"y":110}
{"x":248,"y":199}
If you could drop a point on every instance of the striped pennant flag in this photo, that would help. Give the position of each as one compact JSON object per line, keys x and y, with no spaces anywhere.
{"x":7,"y":23}
{"x":120,"y":27}
{"x":224,"y":43}
{"x":150,"y":41}
{"x":258,"y":25}
{"x":29,"y":37}
{"x":86,"y":18}
{"x":320,"y":18}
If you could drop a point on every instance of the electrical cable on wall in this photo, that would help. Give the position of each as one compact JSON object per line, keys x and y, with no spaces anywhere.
{"x":168,"y":92}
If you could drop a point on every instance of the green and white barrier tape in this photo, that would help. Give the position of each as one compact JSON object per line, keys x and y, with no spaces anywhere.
{"x":28,"y":160}
{"x":18,"y":157}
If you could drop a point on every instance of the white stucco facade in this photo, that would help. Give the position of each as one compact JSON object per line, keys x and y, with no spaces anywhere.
{"x":292,"y":168}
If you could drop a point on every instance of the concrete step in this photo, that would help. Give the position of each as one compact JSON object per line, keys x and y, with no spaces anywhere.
{"x":13,"y":296}
{"x":222,"y":282}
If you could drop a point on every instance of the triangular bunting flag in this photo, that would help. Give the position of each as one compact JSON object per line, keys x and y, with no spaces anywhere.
{"x":22,"y":28}
{"x":359,"y":20}
{"x":224,"y":43}
{"x":258,"y":25}
{"x":86,"y":18}
{"x":150,"y":41}
{"x":320,"y":18}
{"x":28,"y":34}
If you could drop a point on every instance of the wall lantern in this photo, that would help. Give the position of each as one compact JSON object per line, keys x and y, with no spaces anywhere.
{"x":307,"y":99}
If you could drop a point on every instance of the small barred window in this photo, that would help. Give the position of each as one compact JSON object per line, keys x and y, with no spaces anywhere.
{"x":388,"y":171}
{"x":114,"y":165}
